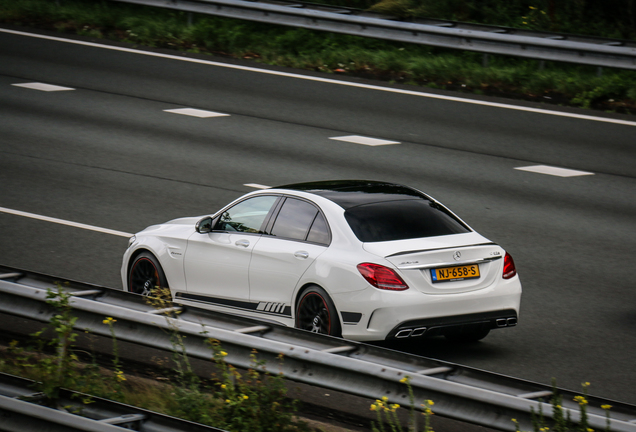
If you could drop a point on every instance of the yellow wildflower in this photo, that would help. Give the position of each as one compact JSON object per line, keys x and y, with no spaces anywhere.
{"x":580,"y":400}
{"x":374,"y":407}
{"x":384,"y":398}
{"x":223,"y":386}
{"x":246,"y":397}
{"x":404,"y":380}
{"x":606,"y":407}
{"x":223,"y":353}
{"x":119,"y":375}
{"x":109,"y":321}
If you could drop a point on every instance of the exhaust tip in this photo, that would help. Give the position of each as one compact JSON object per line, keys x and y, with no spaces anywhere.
{"x":418,"y":331}
{"x":404,"y":333}
{"x":511,"y":322}
{"x":502,"y":322}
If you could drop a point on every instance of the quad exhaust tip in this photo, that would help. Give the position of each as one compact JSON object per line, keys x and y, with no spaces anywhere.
{"x":410,"y":332}
{"x":420,"y":331}
{"x":506,"y":322}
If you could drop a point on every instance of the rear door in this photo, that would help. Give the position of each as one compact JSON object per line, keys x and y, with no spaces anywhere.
{"x":298,"y":235}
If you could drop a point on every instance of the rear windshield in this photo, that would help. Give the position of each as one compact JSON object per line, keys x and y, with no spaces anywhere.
{"x":399,"y":220}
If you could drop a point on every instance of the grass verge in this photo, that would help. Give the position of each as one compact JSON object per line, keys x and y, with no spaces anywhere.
{"x":547,"y":82}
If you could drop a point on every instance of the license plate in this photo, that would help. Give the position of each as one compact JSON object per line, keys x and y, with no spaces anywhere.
{"x":449,"y":274}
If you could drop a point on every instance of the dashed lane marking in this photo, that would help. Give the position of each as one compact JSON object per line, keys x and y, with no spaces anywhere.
{"x":357,"y":139}
{"x":43,"y":87}
{"x":65,"y":222}
{"x":554,"y":171}
{"x":257,"y":186}
{"x":193,"y":112}
{"x":327,"y":80}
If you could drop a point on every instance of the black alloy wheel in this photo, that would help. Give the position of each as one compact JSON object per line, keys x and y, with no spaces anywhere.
{"x":317,"y":313}
{"x":145,"y":275}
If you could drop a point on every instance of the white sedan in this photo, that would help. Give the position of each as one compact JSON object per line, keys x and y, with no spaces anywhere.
{"x":364,"y":260}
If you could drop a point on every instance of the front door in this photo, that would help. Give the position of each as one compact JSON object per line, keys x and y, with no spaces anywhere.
{"x":217,"y":263}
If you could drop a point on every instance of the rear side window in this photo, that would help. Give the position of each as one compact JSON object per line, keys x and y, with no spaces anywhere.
{"x":400,"y":220}
{"x":294,"y":219}
{"x":319,"y":232}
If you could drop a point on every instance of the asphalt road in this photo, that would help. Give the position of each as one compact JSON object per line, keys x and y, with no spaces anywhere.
{"x":106,"y":154}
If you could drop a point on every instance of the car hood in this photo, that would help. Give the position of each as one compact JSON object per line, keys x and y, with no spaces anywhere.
{"x":174,"y":226}
{"x":185,"y":221}
{"x":395,"y":247}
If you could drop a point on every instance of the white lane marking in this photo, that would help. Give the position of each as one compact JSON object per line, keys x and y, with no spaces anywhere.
{"x":193,"y":112}
{"x":65,"y":222}
{"x":43,"y":87}
{"x":357,"y":139}
{"x":329,"y":81}
{"x":555,"y":171}
{"x":257,"y":186}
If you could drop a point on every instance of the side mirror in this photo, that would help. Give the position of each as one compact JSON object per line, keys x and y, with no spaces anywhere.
{"x":205,"y":225}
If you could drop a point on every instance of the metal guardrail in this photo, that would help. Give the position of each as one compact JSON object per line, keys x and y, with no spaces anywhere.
{"x":447,"y":34}
{"x":459,"y":392}
{"x":100,"y":415}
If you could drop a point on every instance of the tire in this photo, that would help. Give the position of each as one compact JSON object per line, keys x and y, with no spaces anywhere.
{"x":145,"y":275}
{"x":316,"y":313}
{"x":468,"y":335}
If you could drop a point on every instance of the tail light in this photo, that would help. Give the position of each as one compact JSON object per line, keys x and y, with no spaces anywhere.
{"x":382,"y":277}
{"x":509,"y":269}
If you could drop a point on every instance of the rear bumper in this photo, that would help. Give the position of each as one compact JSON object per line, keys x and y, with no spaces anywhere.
{"x":410,"y":313}
{"x":454,"y":324}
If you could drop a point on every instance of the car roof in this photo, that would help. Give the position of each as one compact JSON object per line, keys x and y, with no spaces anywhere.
{"x":352,"y":193}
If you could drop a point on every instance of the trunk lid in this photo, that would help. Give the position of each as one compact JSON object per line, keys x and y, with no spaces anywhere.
{"x":470,"y":262}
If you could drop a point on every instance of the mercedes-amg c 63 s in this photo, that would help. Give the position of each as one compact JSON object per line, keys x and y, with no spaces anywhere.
{"x":364,"y":260}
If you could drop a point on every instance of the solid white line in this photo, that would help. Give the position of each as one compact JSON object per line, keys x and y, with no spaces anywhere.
{"x":328,"y":80}
{"x":65,"y":222}
{"x":257,"y":186}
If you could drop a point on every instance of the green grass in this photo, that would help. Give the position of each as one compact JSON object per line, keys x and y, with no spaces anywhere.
{"x":417,"y":65}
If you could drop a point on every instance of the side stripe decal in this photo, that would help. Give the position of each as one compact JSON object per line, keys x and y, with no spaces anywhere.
{"x":264,"y":307}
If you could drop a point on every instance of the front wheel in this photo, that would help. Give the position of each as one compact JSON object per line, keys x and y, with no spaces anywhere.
{"x":146,"y":275}
{"x":317,"y":313}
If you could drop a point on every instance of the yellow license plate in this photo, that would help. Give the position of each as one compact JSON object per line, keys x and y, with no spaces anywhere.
{"x":448,"y":274}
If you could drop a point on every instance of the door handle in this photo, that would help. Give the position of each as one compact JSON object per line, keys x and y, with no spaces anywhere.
{"x":301,"y":254}
{"x":244,"y":243}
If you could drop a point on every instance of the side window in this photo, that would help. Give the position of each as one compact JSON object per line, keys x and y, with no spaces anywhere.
{"x":294,"y":219}
{"x":319,"y":232}
{"x":247,"y":216}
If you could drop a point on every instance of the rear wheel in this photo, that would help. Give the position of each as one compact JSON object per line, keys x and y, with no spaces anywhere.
{"x":317,"y":313}
{"x":146,"y":275}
